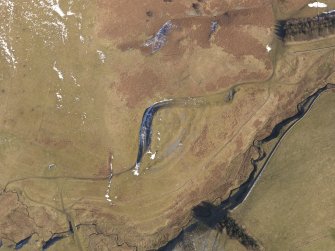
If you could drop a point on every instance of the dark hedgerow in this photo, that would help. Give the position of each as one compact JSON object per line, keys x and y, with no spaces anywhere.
{"x":306,"y":28}
{"x":237,"y":232}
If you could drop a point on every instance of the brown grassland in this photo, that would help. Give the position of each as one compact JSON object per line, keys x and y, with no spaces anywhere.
{"x":202,"y":151}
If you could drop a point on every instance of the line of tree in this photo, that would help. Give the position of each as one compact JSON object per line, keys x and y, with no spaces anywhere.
{"x":235,"y":231}
{"x":306,"y":28}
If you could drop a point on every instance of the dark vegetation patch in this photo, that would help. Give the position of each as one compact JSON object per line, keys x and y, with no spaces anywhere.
{"x":306,"y":28}
{"x":332,"y":233}
{"x":70,"y":228}
{"x":196,"y":6}
{"x":215,"y":217}
{"x":235,"y":231}
{"x":149,"y":13}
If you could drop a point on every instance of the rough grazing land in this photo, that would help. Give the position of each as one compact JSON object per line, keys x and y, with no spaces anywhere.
{"x":73,"y":99}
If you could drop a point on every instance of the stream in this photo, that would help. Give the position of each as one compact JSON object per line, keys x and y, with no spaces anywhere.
{"x":145,"y":131}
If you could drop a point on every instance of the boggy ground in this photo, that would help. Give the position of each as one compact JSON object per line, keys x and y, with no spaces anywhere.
{"x":203,"y":150}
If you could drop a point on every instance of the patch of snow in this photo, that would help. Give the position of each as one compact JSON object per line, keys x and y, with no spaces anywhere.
{"x":74,"y":80}
{"x":70,"y":13}
{"x":328,"y":12}
{"x":7,"y":12}
{"x":51,"y":165}
{"x":162,"y":101}
{"x":57,"y":9}
{"x":153,"y":156}
{"x":44,"y":18}
{"x":8,"y":52}
{"x":10,"y":6}
{"x":59,"y":97}
{"x":110,"y":180}
{"x":317,"y":5}
{"x":102,"y":56}
{"x":167,"y":99}
{"x":136,"y":169}
{"x":268,"y":48}
{"x":83,"y":117}
{"x":63,"y":30}
{"x":60,"y":74}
